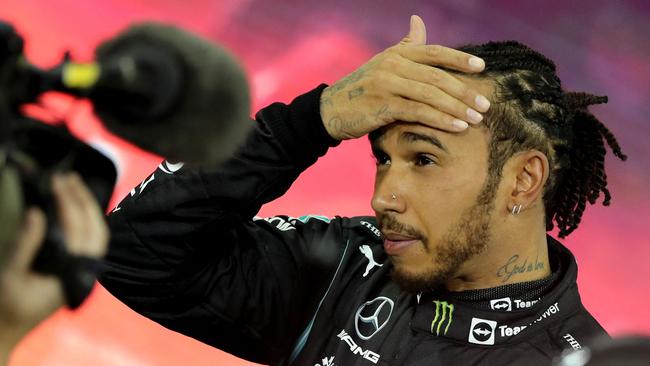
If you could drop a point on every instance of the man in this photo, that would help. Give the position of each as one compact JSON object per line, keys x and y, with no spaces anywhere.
{"x":456,"y":268}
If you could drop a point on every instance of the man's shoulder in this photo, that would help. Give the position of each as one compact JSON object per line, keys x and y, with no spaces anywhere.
{"x":363,"y":225}
{"x":580,"y":329}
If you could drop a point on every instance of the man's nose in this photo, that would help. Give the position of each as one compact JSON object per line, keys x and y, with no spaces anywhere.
{"x":390,"y":194}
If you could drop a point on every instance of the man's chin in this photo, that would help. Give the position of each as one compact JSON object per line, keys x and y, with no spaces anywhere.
{"x":416,"y":283}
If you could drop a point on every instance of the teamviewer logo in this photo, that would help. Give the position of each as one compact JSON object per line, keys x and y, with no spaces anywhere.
{"x":482,"y":331}
{"x":501,"y":304}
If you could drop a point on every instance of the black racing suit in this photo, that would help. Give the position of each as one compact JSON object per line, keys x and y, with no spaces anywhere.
{"x":187,"y":252}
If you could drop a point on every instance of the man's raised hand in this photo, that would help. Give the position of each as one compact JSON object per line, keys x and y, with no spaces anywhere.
{"x":405,"y":83}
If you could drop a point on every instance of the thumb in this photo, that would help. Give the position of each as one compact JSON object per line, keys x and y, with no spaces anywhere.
{"x":30,"y":239}
{"x":417,"y":32}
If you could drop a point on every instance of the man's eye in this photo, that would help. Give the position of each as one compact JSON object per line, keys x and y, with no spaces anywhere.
{"x":382,"y":159}
{"x":422,"y":160}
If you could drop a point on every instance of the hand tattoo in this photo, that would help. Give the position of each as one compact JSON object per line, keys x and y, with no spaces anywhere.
{"x":355,"y":93}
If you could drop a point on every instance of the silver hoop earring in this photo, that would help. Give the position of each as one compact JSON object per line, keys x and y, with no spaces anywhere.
{"x":393,"y":196}
{"x":516,"y":209}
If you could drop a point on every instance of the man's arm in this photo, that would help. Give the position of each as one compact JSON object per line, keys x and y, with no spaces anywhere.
{"x":187,"y":252}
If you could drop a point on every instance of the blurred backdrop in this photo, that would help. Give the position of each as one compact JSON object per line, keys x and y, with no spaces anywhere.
{"x":289,"y":47}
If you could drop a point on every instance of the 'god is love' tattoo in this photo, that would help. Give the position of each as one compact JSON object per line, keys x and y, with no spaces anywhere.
{"x":511,"y":268}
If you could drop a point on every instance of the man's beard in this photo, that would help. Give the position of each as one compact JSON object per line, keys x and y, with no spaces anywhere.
{"x":464,"y":240}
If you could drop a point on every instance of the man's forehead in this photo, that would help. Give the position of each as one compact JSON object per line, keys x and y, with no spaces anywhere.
{"x":448,"y":142}
{"x":407,"y":132}
{"x":446,"y":138}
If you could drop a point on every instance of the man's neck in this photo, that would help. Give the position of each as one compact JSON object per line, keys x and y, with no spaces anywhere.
{"x":508,"y":259}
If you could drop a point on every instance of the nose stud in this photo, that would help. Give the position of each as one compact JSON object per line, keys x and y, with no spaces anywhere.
{"x":393,"y":196}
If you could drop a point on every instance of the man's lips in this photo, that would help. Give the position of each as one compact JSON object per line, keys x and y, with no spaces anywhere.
{"x":396,"y":243}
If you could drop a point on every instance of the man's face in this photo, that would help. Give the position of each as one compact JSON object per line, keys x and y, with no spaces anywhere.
{"x":431,"y":201}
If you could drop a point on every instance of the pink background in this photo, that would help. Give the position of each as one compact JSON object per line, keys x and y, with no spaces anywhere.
{"x":288,"y":47}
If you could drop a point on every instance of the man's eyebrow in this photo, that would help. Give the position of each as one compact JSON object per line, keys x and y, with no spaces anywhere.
{"x":413,"y":137}
{"x":375,"y":143}
{"x":376,"y":149}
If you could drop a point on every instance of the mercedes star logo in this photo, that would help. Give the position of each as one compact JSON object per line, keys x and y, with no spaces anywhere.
{"x":372,"y":316}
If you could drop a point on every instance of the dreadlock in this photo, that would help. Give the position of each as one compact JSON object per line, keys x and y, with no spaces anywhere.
{"x":530,"y":110}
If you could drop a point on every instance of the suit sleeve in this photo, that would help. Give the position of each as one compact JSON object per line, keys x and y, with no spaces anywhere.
{"x":188,"y":252}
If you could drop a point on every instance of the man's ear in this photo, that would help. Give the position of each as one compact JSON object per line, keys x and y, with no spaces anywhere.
{"x":530,"y":171}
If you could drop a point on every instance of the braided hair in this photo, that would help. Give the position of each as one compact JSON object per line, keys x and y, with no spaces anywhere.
{"x":530,"y":110}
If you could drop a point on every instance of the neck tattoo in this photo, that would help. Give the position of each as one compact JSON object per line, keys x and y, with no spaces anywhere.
{"x":512,"y":268}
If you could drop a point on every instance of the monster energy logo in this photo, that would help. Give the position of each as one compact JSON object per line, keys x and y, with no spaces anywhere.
{"x":444,"y":314}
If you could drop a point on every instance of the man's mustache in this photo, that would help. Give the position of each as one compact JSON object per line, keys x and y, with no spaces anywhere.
{"x":390,"y":223}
